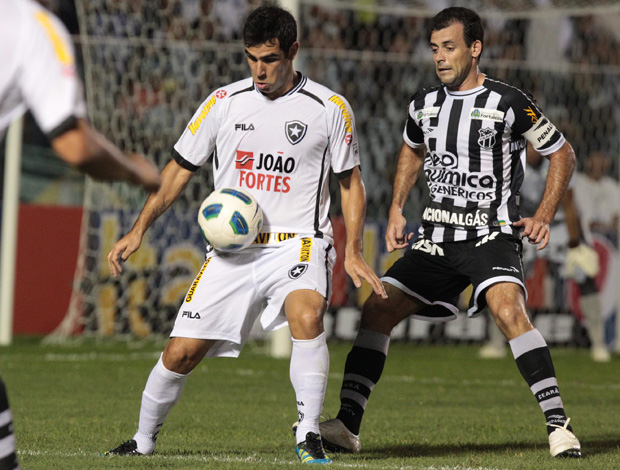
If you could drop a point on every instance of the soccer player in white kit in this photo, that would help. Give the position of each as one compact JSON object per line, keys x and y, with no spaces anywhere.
{"x":277,"y":135}
{"x":38,"y":74}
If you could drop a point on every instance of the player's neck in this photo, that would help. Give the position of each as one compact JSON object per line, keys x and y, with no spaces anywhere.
{"x":474,"y":80}
{"x":291,"y":83}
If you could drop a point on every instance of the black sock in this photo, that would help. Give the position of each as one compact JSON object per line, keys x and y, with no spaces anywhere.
{"x":361,"y":372}
{"x":534,"y":362}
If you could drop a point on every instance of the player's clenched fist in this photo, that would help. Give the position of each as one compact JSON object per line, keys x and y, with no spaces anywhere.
{"x":396,"y":236}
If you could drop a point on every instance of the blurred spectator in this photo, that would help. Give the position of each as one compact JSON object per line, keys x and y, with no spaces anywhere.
{"x":598,"y":196}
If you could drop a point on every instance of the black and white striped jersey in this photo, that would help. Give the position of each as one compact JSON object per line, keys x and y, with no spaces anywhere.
{"x":475,"y":156}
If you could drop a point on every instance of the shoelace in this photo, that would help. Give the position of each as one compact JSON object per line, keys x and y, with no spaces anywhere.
{"x":565,"y":427}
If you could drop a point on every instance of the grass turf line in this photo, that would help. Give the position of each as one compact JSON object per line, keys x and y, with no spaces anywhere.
{"x":436,"y":407}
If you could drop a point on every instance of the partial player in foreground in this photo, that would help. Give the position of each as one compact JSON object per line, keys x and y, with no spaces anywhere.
{"x":38,"y":74}
{"x":276,"y":135}
{"x":469,"y":137}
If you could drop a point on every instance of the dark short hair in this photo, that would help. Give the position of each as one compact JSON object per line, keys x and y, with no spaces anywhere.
{"x":267,"y":23}
{"x":472,"y":24}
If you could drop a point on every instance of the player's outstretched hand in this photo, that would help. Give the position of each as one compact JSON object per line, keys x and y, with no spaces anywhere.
{"x":357,"y":268}
{"x":122,"y":250}
{"x":396,"y":236}
{"x":535,"y":230}
{"x":146,"y":173}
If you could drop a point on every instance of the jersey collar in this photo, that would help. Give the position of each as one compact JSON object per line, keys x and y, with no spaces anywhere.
{"x":295,"y":89}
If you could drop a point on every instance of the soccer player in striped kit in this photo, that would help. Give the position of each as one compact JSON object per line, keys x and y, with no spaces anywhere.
{"x":38,"y":74}
{"x":277,"y":135}
{"x":469,"y":137}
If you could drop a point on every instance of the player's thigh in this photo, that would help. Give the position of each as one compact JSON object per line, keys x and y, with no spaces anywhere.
{"x":489,"y":261}
{"x":506,"y":301}
{"x":284,"y":273}
{"x":382,"y":315}
{"x":426,"y":275}
{"x":222,"y":302}
{"x":304,"y":310}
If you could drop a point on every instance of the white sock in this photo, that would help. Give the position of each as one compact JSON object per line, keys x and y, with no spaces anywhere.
{"x":309,"y":369}
{"x":163,"y":389}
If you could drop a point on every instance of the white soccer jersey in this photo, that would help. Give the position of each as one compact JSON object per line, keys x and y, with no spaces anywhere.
{"x":38,"y":68}
{"x":476,"y":143}
{"x":279,"y":150}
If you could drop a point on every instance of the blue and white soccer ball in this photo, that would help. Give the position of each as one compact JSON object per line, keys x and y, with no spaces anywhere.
{"x":230,"y":219}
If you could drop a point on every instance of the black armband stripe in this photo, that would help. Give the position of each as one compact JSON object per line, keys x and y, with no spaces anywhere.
{"x":184,"y":163}
{"x":67,"y":125}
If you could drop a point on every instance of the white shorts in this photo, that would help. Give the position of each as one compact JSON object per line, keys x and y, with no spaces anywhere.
{"x":232,"y":289}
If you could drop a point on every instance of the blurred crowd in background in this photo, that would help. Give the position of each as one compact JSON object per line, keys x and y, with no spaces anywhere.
{"x":150,"y":63}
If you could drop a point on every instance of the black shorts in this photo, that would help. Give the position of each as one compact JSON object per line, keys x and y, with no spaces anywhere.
{"x":436,"y":273}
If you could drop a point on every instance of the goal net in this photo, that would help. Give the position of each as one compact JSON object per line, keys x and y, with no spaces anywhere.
{"x":148,"y":65}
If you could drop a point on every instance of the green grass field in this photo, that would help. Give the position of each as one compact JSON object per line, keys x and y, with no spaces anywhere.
{"x":436,"y":408}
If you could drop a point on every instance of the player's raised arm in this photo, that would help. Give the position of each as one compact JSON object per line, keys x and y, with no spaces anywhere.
{"x":561,"y":167}
{"x":410,"y":162}
{"x":90,"y":152}
{"x":174,"y":179}
{"x":353,"y":201}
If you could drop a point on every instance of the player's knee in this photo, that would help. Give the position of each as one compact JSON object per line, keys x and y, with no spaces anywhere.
{"x":378,"y":315}
{"x":182,"y":356}
{"x":512,"y":321}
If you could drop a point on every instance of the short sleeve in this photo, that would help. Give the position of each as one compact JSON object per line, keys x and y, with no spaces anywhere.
{"x":197,"y":142}
{"x":412,"y":134}
{"x":531,"y":123}
{"x":48,"y":81}
{"x":343,"y":141}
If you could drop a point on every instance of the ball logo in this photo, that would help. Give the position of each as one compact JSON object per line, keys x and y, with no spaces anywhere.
{"x":297,"y":271}
{"x":295,"y":131}
{"x":221,"y":94}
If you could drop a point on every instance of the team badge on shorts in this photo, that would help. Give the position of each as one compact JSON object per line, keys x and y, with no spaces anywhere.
{"x":297,"y":271}
{"x":295,"y":131}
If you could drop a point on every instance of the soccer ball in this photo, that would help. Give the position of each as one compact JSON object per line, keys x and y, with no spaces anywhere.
{"x":230,"y":219}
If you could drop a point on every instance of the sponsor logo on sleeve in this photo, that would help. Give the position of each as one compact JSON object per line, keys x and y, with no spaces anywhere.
{"x":346,"y":115}
{"x":61,"y":49}
{"x":221,"y":94}
{"x":427,"y":113}
{"x":195,"y":124}
{"x":295,"y":131}
{"x":532,"y":114}
{"x":487,"y":114}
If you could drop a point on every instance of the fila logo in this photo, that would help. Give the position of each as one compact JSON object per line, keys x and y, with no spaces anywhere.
{"x":244,"y":127}
{"x":190,"y":315}
{"x":244,"y":160}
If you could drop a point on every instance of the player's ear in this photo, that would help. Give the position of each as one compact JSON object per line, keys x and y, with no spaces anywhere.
{"x":293,"y":50}
{"x":476,"y":49}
